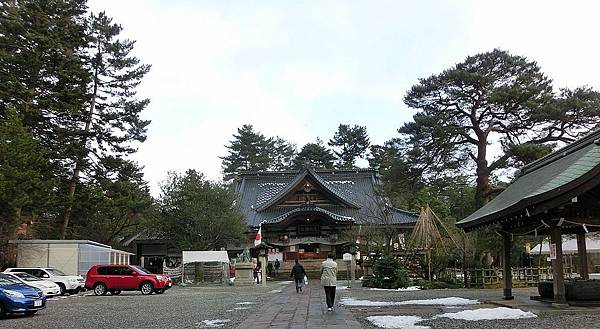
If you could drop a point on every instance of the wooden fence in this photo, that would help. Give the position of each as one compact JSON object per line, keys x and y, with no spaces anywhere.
{"x":522,"y":277}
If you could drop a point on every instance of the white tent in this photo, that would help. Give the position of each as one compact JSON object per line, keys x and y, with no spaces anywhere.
{"x":204,"y":257}
{"x":569,"y":246}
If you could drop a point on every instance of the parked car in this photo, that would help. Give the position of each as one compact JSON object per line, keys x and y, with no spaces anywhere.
{"x":17,"y":297}
{"x":49,"y":288}
{"x":67,"y":283}
{"x":116,"y":278}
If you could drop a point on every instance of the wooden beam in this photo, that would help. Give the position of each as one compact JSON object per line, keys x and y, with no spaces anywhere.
{"x":557,"y":266}
{"x":582,"y":255}
{"x":507,"y":273}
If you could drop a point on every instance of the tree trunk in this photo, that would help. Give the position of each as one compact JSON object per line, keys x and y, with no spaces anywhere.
{"x":482,"y":193}
{"x":79,"y":161}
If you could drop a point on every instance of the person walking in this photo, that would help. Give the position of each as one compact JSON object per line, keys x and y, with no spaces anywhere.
{"x":329,"y":280}
{"x":257,"y":273}
{"x":298,"y":274}
{"x":277,"y":266}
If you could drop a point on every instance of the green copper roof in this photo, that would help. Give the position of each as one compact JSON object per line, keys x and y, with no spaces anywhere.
{"x":556,"y":174}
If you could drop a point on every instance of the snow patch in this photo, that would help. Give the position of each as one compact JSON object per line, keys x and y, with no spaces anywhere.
{"x":244,"y":303}
{"x":275,"y":291}
{"x":411,"y":288}
{"x":360,"y":302}
{"x":241,"y":308}
{"x":342,"y":288}
{"x":215,"y":323}
{"x":497,"y":313}
{"x":448,"y":301}
{"x":285,"y":282}
{"x":399,"y":321}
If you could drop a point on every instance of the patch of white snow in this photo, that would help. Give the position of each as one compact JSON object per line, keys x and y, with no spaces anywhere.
{"x":411,"y":288}
{"x":497,"y":313}
{"x":214,"y":323}
{"x":396,"y":321}
{"x":448,"y":301}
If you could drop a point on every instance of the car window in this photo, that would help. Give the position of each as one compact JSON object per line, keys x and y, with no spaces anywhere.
{"x":102,"y":270}
{"x":6,"y":279}
{"x":54,"y":271}
{"x":142,"y":270}
{"x":37,"y":272}
{"x":126,"y":271}
{"x":26,"y":276}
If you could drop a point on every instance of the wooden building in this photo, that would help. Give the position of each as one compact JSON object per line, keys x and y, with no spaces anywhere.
{"x":558,"y":194}
{"x":306,"y":214}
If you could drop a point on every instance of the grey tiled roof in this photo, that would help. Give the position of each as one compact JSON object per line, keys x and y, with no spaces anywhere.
{"x":556,"y":174}
{"x":356,"y":186}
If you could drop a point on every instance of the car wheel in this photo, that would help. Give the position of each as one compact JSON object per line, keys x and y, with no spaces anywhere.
{"x":63,"y":289}
{"x":159,"y":291}
{"x":2,"y":311}
{"x":115,"y":292}
{"x":146,"y":288}
{"x":100,"y":289}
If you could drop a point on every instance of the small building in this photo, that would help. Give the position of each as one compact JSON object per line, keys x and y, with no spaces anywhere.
{"x":73,"y":257}
{"x":555,"y":195}
{"x":570,"y":251}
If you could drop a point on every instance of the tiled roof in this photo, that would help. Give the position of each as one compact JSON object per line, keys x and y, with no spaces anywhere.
{"x":356,"y":187}
{"x":557,"y":173}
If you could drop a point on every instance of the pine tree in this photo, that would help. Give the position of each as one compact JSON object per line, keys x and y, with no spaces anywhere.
{"x":349,"y":144}
{"x":248,"y":151}
{"x":112,"y":120}
{"x":282,"y":154}
{"x":316,"y":154}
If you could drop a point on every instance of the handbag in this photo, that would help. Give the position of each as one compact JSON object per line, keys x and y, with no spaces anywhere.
{"x":305,"y":280}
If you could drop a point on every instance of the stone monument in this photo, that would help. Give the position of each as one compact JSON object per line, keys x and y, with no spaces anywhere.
{"x":244,"y":269}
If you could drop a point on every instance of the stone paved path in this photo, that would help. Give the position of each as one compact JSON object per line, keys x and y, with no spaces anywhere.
{"x":289,"y":310}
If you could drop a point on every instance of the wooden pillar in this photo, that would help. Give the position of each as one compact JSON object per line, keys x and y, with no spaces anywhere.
{"x":557,"y":266}
{"x":582,"y":255}
{"x":507,"y":271}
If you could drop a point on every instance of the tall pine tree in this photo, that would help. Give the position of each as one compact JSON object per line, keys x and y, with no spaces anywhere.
{"x":316,"y":154}
{"x":350,"y":143}
{"x":248,"y":151}
{"x":111,"y":123}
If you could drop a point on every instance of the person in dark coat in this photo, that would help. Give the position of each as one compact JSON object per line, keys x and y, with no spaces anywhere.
{"x":298,"y":274}
{"x":277,"y":265}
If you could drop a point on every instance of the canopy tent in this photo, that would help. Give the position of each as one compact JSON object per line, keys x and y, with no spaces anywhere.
{"x":204,"y":257}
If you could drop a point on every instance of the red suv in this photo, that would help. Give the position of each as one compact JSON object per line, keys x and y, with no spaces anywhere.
{"x":115,"y":278}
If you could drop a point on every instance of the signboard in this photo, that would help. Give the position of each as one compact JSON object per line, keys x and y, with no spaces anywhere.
{"x":347,"y":256}
{"x":553,"y":251}
{"x":275,"y":255}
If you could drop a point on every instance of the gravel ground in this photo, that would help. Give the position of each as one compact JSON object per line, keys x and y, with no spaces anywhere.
{"x":176,"y":308}
{"x":548,"y":317}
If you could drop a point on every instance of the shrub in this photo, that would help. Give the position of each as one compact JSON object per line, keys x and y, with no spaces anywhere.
{"x":389,"y":273}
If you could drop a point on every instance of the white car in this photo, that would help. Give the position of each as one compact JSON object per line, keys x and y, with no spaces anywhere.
{"x":49,"y":288}
{"x":67,"y":283}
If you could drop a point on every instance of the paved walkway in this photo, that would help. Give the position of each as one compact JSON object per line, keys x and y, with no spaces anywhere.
{"x":307,"y":310}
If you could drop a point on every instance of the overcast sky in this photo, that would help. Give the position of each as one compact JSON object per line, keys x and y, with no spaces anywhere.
{"x":297,"y":69}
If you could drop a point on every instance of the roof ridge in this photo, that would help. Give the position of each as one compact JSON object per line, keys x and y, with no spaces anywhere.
{"x":307,"y":171}
{"x":592,"y":137}
{"x":295,"y":171}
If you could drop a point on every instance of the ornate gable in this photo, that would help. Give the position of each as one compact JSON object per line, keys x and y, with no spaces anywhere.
{"x":308,"y":189}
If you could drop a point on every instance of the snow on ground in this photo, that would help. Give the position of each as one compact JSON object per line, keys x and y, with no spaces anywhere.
{"x":497,"y":313}
{"x":241,"y":308}
{"x":411,"y":288}
{"x":448,"y":301}
{"x":360,"y":302}
{"x":285,"y":282}
{"x":214,"y":323}
{"x":400,"y":321}
{"x":245,"y":303}
{"x":275,"y":291}
{"x":342,"y":288}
